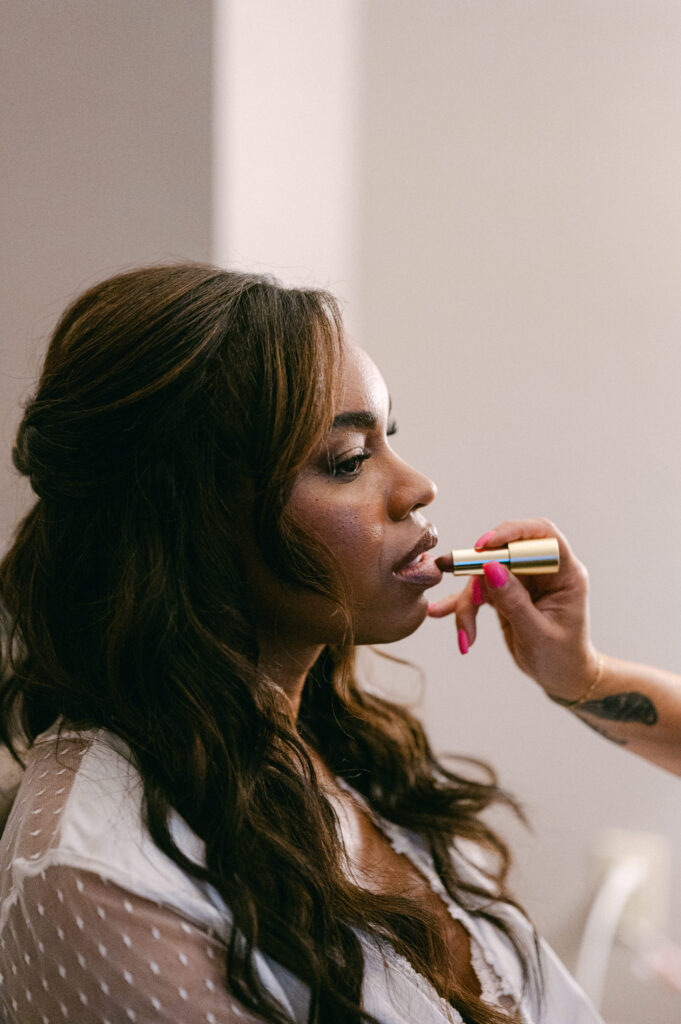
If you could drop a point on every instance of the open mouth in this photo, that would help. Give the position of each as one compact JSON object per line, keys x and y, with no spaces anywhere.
{"x":422,"y":571}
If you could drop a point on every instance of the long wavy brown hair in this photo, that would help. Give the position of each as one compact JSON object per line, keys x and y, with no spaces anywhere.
{"x":175,"y":407}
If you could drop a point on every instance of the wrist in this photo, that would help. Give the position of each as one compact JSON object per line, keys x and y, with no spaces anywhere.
{"x":590,"y":683}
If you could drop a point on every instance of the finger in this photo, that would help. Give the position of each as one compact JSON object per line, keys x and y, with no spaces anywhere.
{"x":466,"y":615}
{"x":471,"y":594}
{"x":512,"y":600}
{"x":521,"y":529}
{"x":444,"y":606}
{"x":484,"y":541}
{"x":571,"y":569}
{"x":465,"y":605}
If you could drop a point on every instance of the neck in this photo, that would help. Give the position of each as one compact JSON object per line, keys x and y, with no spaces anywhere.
{"x":288,"y":668}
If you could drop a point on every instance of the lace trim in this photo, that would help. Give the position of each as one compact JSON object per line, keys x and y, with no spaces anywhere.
{"x":496,"y":990}
{"x":390,"y":957}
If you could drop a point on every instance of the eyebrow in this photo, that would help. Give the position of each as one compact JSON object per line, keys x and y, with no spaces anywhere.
{"x":362,"y":419}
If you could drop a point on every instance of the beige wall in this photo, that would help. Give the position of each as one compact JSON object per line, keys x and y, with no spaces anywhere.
{"x":521,"y":245}
{"x":106,"y":143}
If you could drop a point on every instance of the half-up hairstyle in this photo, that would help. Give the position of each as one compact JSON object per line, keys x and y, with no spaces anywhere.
{"x":175,"y":407}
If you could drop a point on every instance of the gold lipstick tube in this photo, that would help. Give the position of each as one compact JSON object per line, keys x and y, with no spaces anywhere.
{"x":521,"y":557}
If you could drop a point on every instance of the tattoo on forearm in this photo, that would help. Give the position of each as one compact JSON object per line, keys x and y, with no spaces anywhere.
{"x":618,"y":707}
{"x":622,"y":707}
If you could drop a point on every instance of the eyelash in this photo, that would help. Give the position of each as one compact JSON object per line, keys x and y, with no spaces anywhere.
{"x":355,"y":461}
{"x":340,"y":468}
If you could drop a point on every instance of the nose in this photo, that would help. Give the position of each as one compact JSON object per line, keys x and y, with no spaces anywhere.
{"x":410,"y":491}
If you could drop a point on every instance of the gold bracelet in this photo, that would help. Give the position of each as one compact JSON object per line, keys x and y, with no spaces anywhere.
{"x":585,"y":696}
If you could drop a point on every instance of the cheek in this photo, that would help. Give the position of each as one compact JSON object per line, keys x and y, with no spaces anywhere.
{"x":383,"y":610}
{"x":353,"y":534}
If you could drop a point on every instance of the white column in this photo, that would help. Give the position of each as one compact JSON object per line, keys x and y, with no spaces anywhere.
{"x":286,"y":126}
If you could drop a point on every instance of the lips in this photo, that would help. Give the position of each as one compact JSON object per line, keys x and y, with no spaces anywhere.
{"x":418,"y":566}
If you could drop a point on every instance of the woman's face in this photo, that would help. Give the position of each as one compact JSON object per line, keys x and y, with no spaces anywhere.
{"x":367,"y":506}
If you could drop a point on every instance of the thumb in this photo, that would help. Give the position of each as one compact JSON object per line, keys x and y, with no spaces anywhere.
{"x":510,"y":598}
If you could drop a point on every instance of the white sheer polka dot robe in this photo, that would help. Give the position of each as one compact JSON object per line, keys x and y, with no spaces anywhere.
{"x":98,"y":926}
{"x":75,"y":945}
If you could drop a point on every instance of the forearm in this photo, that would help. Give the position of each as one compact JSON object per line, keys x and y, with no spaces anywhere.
{"x":638,"y":707}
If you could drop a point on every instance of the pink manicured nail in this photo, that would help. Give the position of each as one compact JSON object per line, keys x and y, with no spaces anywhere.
{"x":476,"y":591}
{"x":463,"y":641}
{"x":483,"y":540}
{"x":495,"y":574}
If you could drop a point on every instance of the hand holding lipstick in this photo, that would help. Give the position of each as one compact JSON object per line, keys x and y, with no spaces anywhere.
{"x":545,"y":622}
{"x":544,"y":618}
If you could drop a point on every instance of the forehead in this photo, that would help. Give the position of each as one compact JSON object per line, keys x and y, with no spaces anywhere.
{"x":362,"y":385}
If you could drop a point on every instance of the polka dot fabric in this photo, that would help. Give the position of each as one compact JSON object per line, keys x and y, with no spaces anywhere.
{"x":99,"y":926}
{"x":80,"y":948}
{"x":76,"y":947}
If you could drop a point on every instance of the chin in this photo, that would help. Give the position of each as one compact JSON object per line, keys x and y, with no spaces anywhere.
{"x":397,"y":629}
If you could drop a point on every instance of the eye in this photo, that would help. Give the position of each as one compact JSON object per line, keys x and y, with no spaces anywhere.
{"x":348,"y":466}
{"x":391,"y":429}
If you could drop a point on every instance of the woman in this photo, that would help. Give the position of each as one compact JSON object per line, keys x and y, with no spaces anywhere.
{"x":216,"y":823}
{"x":545,"y":620}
